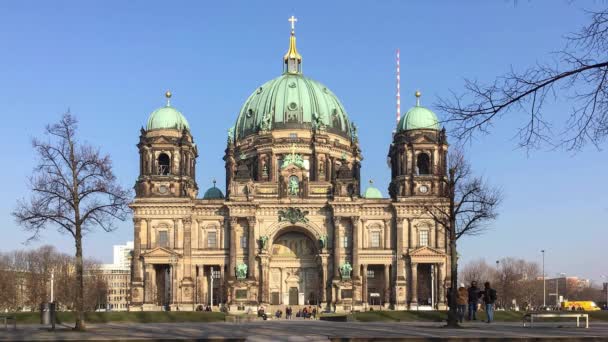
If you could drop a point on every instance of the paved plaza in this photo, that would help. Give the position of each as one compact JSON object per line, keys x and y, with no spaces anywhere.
{"x":310,"y":331}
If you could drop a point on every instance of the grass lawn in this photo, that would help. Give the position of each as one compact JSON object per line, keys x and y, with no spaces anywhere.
{"x":131,"y":317}
{"x":439,"y":316}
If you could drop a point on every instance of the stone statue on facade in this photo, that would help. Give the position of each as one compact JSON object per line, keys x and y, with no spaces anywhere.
{"x":345,"y":270}
{"x":266,"y":122}
{"x":230,"y":135}
{"x":323,"y":241}
{"x":263,"y":242}
{"x":241,"y":271}
{"x":293,"y":188}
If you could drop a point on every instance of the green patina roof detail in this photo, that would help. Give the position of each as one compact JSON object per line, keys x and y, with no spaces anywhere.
{"x":418,"y":117}
{"x":213,"y":193}
{"x":167,"y":118}
{"x":291,"y":99}
{"x":372,"y":192}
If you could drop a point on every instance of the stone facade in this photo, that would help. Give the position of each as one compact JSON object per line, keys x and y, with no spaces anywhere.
{"x":291,"y":245}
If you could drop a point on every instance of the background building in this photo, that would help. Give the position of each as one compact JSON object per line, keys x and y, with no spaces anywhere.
{"x":118,"y":278}
{"x":294,"y":227}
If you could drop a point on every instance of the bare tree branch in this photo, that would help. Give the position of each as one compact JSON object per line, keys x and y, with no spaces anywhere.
{"x":579,"y":75}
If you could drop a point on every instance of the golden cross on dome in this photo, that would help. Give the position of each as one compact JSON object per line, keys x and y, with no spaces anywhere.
{"x":293,"y":21}
{"x":293,"y":149}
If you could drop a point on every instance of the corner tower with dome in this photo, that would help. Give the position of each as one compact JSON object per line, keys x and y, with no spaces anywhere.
{"x":292,"y":226}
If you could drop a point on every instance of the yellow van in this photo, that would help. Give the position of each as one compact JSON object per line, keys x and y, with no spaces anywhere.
{"x":583,"y":305}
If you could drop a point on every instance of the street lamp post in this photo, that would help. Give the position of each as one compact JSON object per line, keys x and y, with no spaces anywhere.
{"x":544,"y":288}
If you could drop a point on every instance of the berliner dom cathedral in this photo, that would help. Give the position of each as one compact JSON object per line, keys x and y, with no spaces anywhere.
{"x":293,"y":225}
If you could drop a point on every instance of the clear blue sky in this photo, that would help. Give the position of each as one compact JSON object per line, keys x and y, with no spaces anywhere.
{"x":111,"y":61}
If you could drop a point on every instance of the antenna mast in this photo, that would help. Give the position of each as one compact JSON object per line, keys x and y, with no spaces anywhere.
{"x":398,"y":89}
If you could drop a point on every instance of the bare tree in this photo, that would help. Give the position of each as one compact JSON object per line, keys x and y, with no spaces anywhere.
{"x":469,"y":206}
{"x":74,"y":189}
{"x":477,"y":270}
{"x":579,"y":74}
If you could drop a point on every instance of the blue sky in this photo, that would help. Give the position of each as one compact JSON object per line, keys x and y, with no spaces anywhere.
{"x":110,"y":62}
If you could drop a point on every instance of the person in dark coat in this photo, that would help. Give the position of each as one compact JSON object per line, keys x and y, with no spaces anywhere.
{"x":489,"y":298}
{"x":473,"y":298}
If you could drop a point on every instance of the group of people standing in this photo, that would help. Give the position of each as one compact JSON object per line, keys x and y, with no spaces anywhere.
{"x":471,"y":297}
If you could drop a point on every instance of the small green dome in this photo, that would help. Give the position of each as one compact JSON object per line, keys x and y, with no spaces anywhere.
{"x":167,"y":117}
{"x":213,"y":193}
{"x":372,"y":192}
{"x":418,"y":117}
{"x":292,"y":101}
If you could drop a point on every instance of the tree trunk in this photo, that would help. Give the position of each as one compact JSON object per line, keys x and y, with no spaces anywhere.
{"x":452,"y":313}
{"x":80,"y":326}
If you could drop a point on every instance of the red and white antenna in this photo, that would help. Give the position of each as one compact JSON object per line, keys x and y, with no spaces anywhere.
{"x":398,"y":89}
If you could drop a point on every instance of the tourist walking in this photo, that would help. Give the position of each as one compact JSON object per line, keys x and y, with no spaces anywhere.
{"x":473,"y":298}
{"x":489,"y":297}
{"x":462,"y":299}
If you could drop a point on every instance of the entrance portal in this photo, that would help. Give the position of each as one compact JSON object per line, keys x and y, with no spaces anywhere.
{"x":294,"y":270}
{"x":293,"y":296}
{"x":163,"y":284}
{"x":424,"y":284}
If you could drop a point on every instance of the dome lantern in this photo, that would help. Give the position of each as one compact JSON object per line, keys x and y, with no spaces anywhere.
{"x":292,"y":59}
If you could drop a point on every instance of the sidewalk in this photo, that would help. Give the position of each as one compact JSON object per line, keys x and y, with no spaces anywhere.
{"x":308,"y":330}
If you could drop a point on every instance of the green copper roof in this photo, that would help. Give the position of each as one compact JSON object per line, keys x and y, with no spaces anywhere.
{"x":167,"y":117}
{"x":291,"y":101}
{"x":418,"y":117}
{"x":372,"y":192}
{"x":213,"y":193}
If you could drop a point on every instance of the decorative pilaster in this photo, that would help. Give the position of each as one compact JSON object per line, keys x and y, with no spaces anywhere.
{"x":148,"y":233}
{"x":387,"y":284}
{"x":251,"y":247}
{"x":187,"y":222}
{"x":399,"y":252}
{"x":387,"y":234}
{"x":337,"y":247}
{"x":233,"y":246}
{"x":364,"y":294}
{"x":414,"y":284}
{"x":356,"y":224}
{"x":264,"y":278}
{"x":137,"y":251}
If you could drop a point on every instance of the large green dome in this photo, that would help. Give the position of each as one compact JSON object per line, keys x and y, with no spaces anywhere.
{"x":418,"y":117}
{"x":292,"y":101}
{"x":167,"y":117}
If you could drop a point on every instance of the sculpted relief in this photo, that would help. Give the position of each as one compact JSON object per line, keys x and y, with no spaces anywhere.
{"x":294,"y":245}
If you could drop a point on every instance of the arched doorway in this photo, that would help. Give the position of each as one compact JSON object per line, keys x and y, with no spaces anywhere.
{"x":294,"y":269}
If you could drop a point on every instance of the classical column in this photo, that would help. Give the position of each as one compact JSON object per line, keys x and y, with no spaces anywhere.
{"x":440,"y":284}
{"x":187,"y":243}
{"x":148,"y":233}
{"x":337,"y":247}
{"x":387,"y":284}
{"x":356,"y":224}
{"x":264,"y":278}
{"x":324,"y":279}
{"x":414,"y":283}
{"x":399,"y":252}
{"x":174,"y":243}
{"x":149,"y":283}
{"x":387,"y":234}
{"x":137,"y":250}
{"x":233,"y":246}
{"x":364,"y":295}
{"x":251,"y":242}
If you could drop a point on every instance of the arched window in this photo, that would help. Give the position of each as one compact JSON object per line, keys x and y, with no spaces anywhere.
{"x":423,"y":162}
{"x":164,"y":164}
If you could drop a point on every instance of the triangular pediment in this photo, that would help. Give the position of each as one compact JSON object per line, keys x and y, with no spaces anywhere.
{"x":163,"y":140}
{"x":427,"y":252}
{"x":160,"y":252}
